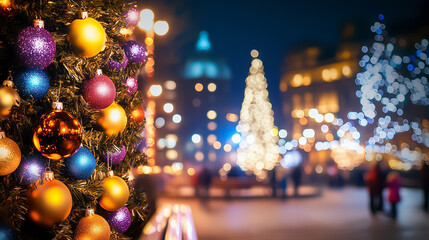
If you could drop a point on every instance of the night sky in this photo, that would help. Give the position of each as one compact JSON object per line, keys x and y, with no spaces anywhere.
{"x":236,"y":27}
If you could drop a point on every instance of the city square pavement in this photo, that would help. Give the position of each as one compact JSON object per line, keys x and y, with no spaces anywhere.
{"x":336,"y":214}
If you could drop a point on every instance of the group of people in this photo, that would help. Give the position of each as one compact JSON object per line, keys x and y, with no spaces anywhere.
{"x":377,"y":180}
{"x":279,"y":180}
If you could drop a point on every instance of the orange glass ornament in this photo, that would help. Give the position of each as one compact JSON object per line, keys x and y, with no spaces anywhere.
{"x":114,"y":119}
{"x":116,"y":192}
{"x":58,"y":134}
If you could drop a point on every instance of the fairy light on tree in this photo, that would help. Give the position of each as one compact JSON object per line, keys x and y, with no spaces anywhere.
{"x":258,"y":149}
{"x":392,"y":87}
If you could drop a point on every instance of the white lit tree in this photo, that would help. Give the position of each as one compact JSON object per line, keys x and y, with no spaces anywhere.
{"x":258,"y":149}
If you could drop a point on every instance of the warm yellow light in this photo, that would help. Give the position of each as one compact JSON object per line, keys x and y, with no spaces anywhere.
{"x":170,"y":85}
{"x":297,"y":80}
{"x":148,"y":41}
{"x":171,"y":154}
{"x":306,"y":80}
{"x":161,"y":28}
{"x":211,"y":138}
{"x":199,"y":87}
{"x":299,"y":114}
{"x":227,"y":148}
{"x":211,"y":114}
{"x":54,"y":195}
{"x":329,"y":117}
{"x":146,"y":19}
{"x":211,"y":87}
{"x":232,"y":117}
{"x":199,"y":156}
{"x":155,"y":90}
{"x":254,"y":53}
{"x":217,"y":145}
{"x":347,"y":71}
{"x":227,"y":167}
{"x":168,"y":107}
{"x":191,"y":171}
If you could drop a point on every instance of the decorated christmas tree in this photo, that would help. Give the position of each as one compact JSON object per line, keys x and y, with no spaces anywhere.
{"x":70,"y":119}
{"x":258,"y":149}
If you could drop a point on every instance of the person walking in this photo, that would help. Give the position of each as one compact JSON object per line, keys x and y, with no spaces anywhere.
{"x":394,"y":185}
{"x":375,"y":183}
{"x":425,"y":185}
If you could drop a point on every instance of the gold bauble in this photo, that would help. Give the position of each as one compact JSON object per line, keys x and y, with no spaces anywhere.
{"x":115,"y":194}
{"x":114,"y":119}
{"x":50,"y":202}
{"x":87,"y":36}
{"x":10,"y":155}
{"x":8,"y":98}
{"x":92,"y":227}
{"x":58,"y":134}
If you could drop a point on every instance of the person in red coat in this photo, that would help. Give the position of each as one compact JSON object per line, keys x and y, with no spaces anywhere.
{"x":394,"y":185}
{"x":375,"y":182}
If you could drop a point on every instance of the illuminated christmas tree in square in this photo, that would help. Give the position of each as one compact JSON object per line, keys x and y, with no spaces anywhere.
{"x":258,"y":149}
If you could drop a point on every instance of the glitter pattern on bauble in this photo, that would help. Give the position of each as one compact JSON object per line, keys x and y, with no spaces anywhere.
{"x":35,"y":47}
{"x":117,"y":156}
{"x":118,"y":66}
{"x":132,"y":85}
{"x":120,"y":219}
{"x":81,"y":164}
{"x":99,"y":92}
{"x":135,"y":51}
{"x":32,"y":84}
{"x":93,"y":227}
{"x":132,"y":17}
{"x":31,"y":168}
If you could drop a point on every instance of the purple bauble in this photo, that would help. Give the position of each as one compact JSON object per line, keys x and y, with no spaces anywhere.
{"x":35,"y":47}
{"x":120,"y":219}
{"x":31,"y":168}
{"x":117,"y":65}
{"x":132,"y":85}
{"x":135,"y":51}
{"x":132,"y":17}
{"x":99,"y":92}
{"x":117,"y":156}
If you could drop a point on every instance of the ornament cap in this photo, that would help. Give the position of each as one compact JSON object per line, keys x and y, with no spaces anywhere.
{"x":99,"y":72}
{"x":110,"y":173}
{"x":89,"y":212}
{"x":83,"y":14}
{"x":57,"y":106}
{"x":2,"y":134}
{"x":38,"y":23}
{"x":48,"y":175}
{"x":8,"y":83}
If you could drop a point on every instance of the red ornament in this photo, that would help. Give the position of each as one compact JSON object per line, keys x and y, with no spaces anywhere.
{"x":137,"y":114}
{"x":99,"y":92}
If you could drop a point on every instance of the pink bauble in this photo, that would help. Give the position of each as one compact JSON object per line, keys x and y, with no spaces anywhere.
{"x":99,"y":92}
{"x":132,"y":85}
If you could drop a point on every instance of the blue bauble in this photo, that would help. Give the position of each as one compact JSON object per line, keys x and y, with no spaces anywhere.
{"x":31,"y":168}
{"x":7,"y":232}
{"x":81,"y":164}
{"x":32,"y":84}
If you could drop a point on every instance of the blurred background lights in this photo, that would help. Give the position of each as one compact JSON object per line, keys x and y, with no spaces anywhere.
{"x":161,"y":28}
{"x":196,"y":138}
{"x":211,"y":114}
{"x":176,"y":118}
{"x":168,"y":107}
{"x":155,"y":90}
{"x":236,"y":138}
{"x":146,"y":19}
